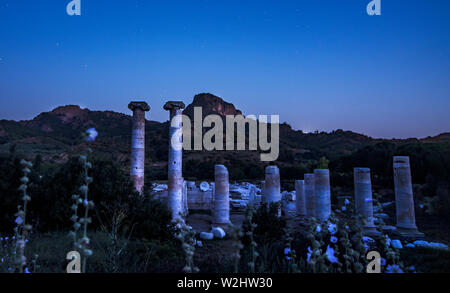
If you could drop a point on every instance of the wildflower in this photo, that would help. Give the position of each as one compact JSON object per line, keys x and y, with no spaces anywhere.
{"x":330,"y":255}
{"x":333,"y":239}
{"x":332,"y":228}
{"x":87,"y":252}
{"x":287,"y":252}
{"x":346,"y":201}
{"x":91,"y":134}
{"x":388,"y":241}
{"x":347,"y":227}
{"x":344,"y":208}
{"x":27,"y":271}
{"x":308,"y":255}
{"x":421,"y":206}
{"x":318,"y":229}
{"x":382,"y":261}
{"x":19,"y":220}
{"x":394,"y":269}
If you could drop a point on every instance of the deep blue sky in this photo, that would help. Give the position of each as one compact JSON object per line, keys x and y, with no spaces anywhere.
{"x":319,"y":64}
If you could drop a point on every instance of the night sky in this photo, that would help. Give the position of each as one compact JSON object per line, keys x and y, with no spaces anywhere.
{"x":319,"y":64}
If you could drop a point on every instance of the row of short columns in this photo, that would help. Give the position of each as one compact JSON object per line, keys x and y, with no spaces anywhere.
{"x":313,"y":198}
{"x":313,"y":195}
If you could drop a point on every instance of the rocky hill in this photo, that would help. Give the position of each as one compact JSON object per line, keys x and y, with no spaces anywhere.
{"x":211,"y":104}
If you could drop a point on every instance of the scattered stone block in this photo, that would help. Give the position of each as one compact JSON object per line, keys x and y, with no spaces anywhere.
{"x":397,"y":244}
{"x":218,"y":232}
{"x":206,"y":236}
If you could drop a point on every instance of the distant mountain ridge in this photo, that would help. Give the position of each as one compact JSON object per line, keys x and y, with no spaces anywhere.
{"x":56,"y":134}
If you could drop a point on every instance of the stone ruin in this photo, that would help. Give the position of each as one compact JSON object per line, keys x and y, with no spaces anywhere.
{"x":311,"y":198}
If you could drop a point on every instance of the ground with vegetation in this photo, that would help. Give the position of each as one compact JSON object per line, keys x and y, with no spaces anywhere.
{"x":130,"y":233}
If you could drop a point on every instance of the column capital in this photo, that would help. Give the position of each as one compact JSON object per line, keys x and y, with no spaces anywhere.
{"x":174,"y":105}
{"x":139,"y":105}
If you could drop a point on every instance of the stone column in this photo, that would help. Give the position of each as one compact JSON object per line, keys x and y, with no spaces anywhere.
{"x":309,"y":196}
{"x":272,"y":189}
{"x":263,"y":194}
{"x":300,"y":199}
{"x":221,"y":203}
{"x":322,"y":194}
{"x":185,"y":200}
{"x":138,"y":144}
{"x":175,"y":158}
{"x":252,"y":195}
{"x":363,"y":199}
{"x":406,"y":219}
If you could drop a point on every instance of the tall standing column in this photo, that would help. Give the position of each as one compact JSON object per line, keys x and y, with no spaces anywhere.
{"x":221,"y":197}
{"x":406,"y":219}
{"x":363,"y":199}
{"x":272,"y":188}
{"x":138,"y":144}
{"x":322,"y":194}
{"x":300,"y":199}
{"x":309,"y":196}
{"x":175,"y":158}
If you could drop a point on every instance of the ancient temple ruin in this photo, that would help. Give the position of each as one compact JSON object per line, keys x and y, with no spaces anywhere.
{"x":310,"y":199}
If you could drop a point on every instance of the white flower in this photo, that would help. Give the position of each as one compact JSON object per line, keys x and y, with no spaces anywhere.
{"x":287,"y":252}
{"x":91,"y":134}
{"x":19,"y":220}
{"x":388,"y":241}
{"x":332,"y":228}
{"x":333,"y":239}
{"x":344,"y":208}
{"x":330,"y":255}
{"x":394,"y":269}
{"x":308,"y":255}
{"x":346,"y":201}
{"x":318,"y":229}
